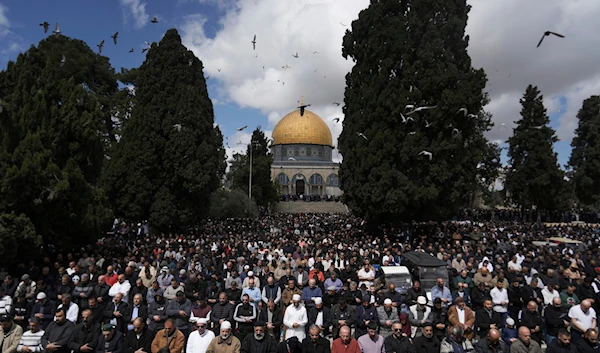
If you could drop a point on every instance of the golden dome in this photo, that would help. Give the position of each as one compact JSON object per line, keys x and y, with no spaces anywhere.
{"x":306,"y":129}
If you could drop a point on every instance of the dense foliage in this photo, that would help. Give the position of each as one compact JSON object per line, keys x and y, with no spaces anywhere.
{"x":412,"y":53}
{"x":55,"y":127}
{"x":170,"y":157}
{"x":534,"y":177}
{"x":585,"y":157}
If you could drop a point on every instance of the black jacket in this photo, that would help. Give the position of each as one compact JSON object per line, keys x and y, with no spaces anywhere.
{"x":482,"y":346}
{"x":424,"y":345}
{"x":321,"y":346}
{"x":115,"y":345}
{"x":59,"y":334}
{"x":142,"y":313}
{"x":555,"y":317}
{"x":483,"y":321}
{"x":312,"y":317}
{"x":584,"y":346}
{"x":132,"y":343}
{"x":245,"y":310}
{"x":84,"y":335}
{"x":109,"y":311}
{"x":531,"y":320}
{"x":48,"y":309}
{"x":277,"y":320}
{"x":160,"y":310}
{"x":556,"y":347}
{"x":221,"y":312}
{"x":402,"y":345}
{"x":266,"y":345}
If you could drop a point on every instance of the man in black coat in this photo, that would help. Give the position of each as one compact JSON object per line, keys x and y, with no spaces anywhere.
{"x":491,"y":343}
{"x":144,"y":342}
{"x":589,"y":343}
{"x":260,"y":341}
{"x":397,"y":343}
{"x":222,"y":311}
{"x":324,"y":321}
{"x":427,"y":342}
{"x":85,"y":334}
{"x":531,"y":318}
{"x":273,"y":318}
{"x":115,"y":313}
{"x":562,"y":344}
{"x":556,"y":317}
{"x":58,"y":334}
{"x":135,"y":310}
{"x":487,"y":318}
{"x":314,"y":342}
{"x":111,"y":340}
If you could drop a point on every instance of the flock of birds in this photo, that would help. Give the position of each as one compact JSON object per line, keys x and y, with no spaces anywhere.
{"x":409,"y":110}
{"x":57,"y":32}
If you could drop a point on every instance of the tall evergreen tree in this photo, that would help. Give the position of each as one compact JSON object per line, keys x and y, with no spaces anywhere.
{"x":54,"y":127}
{"x":585,"y":156}
{"x":411,"y":53}
{"x":534,"y":177}
{"x":264,"y":190}
{"x":170,"y":157}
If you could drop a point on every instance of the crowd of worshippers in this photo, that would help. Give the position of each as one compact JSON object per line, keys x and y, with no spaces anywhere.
{"x":304,"y":284}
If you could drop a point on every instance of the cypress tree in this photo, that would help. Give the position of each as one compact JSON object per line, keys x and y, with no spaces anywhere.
{"x":411,"y":53}
{"x":585,"y":156}
{"x":534,"y":177}
{"x":264,"y":190}
{"x":170,"y":157}
{"x":55,"y":126}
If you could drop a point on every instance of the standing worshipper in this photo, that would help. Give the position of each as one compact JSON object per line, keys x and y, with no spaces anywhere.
{"x":365,"y":314}
{"x":487,"y":318}
{"x":320,"y":316}
{"x":295,"y":318}
{"x":180,"y":310}
{"x":58,"y":334}
{"x":388,"y":315}
{"x":524,"y":343}
{"x":222,"y":311}
{"x":345,"y":343}
{"x":111,"y":340}
{"x":460,"y":315}
{"x":32,"y":339}
{"x":85,"y":334}
{"x":225,"y":342}
{"x":200,"y":339}
{"x":272,"y":316}
{"x":169,"y":338}
{"x":583,"y":317}
{"x":427,"y":342}
{"x":398,"y":343}
{"x":244,"y":315}
{"x":371,"y":342}
{"x":260,"y":341}
{"x":315,"y":342}
{"x":491,"y":343}
{"x":140,"y":338}
{"x":10,"y":335}
{"x":137,"y":309}
{"x":157,"y":313}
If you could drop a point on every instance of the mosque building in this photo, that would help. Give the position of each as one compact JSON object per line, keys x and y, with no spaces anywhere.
{"x":302,"y":151}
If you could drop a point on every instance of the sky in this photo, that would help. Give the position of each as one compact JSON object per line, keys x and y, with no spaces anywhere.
{"x":258,"y":87}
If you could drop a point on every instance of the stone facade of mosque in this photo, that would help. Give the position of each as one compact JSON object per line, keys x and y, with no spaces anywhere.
{"x":302,"y":150}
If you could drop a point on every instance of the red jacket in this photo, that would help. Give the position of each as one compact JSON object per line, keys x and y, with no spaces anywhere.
{"x":338,"y":347}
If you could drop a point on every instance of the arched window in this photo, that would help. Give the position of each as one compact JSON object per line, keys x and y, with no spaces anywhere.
{"x":316,"y":179}
{"x":282,"y":179}
{"x":333,"y":180}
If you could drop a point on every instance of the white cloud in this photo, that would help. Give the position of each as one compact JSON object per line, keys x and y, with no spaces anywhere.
{"x":4,"y":22}
{"x":503,"y":39}
{"x":136,"y":9}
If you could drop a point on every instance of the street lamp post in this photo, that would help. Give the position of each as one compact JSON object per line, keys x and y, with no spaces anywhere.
{"x":250,"y":145}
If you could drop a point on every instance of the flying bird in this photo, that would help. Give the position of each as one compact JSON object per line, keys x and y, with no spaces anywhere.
{"x":302,"y":107}
{"x":143,"y":50}
{"x":296,"y":55}
{"x":455,"y":131}
{"x":343,"y":24}
{"x":315,"y":52}
{"x":115,"y":36}
{"x":336,"y":103}
{"x":100,"y":46}
{"x":242,"y":128}
{"x":57,"y":30}
{"x":218,"y":69}
{"x":46,"y":26}
{"x":426,"y":153}
{"x":177,"y":127}
{"x":405,"y":119}
{"x":131,"y":51}
{"x":463,"y":110}
{"x":546,"y":34}
{"x":154,"y":19}
{"x":254,"y":43}
{"x":63,"y":60}
{"x":337,"y":120}
{"x":427,"y":123}
{"x":418,"y":109}
{"x":412,"y":132}
{"x":504,"y":126}
{"x":148,"y":44}
{"x":538,"y":127}
{"x":362,"y":135}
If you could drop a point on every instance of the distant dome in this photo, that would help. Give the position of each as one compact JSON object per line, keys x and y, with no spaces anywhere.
{"x":307,"y":129}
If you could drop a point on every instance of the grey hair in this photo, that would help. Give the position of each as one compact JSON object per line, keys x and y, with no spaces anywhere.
{"x":313,"y":326}
{"x":458,"y":331}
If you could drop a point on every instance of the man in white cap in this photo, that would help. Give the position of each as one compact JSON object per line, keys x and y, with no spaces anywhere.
{"x":388,"y":315}
{"x":418,"y":314}
{"x":251,"y":276}
{"x":225,"y":342}
{"x":199,"y":339}
{"x":295,"y":318}
{"x":320,"y":316}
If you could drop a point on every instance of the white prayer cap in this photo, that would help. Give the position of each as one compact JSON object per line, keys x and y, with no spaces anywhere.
{"x":41,"y":295}
{"x":201,"y":320}
{"x":250,"y":274}
{"x":387,"y":301}
{"x":421,"y":300}
{"x":296,"y":297}
{"x":510,"y":321}
{"x":318,"y":300}
{"x":225,"y":325}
